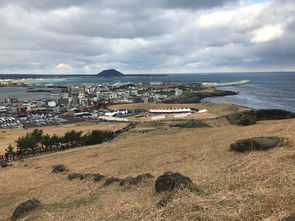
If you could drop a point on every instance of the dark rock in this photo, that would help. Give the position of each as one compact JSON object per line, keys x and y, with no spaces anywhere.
{"x":135,"y":180}
{"x":164,"y":202}
{"x":250,"y":117}
{"x":24,"y":208}
{"x":272,"y":114}
{"x":59,"y":169}
{"x":98,"y":177}
{"x":170,"y":181}
{"x":289,"y":218}
{"x":246,"y":119}
{"x":112,"y":180}
{"x":255,"y":143}
{"x":76,"y":176}
{"x":129,"y":181}
{"x":243,"y":119}
{"x":88,"y":175}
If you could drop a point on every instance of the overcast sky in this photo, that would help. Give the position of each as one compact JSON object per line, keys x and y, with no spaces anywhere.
{"x":146,"y":36}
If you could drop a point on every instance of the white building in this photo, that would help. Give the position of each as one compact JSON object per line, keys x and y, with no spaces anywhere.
{"x":171,"y":110}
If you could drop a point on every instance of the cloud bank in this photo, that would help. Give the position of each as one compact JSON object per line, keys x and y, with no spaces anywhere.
{"x":155,"y":36}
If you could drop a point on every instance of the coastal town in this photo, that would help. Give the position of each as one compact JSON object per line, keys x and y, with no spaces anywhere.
{"x":85,"y":101}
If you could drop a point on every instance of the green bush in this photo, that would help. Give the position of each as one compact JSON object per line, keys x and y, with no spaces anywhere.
{"x":9,"y":150}
{"x":97,"y":136}
{"x":37,"y":138}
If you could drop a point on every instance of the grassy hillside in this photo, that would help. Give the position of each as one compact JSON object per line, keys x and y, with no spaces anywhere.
{"x":8,"y":136}
{"x":248,"y":186}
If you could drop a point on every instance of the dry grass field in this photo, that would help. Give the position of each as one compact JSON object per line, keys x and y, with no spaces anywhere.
{"x":233,"y":186}
{"x":8,"y":136}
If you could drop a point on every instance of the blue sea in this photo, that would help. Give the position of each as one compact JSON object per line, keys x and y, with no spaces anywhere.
{"x":266,"y":90}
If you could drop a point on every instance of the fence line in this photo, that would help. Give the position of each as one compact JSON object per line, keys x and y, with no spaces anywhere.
{"x":6,"y":158}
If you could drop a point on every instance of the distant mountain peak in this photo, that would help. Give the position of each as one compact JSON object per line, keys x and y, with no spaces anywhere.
{"x":110,"y":73}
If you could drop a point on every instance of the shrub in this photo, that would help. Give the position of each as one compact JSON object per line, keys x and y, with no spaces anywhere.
{"x":26,"y":142}
{"x":97,"y":136}
{"x":9,"y":150}
{"x":33,"y":140}
{"x":72,"y":137}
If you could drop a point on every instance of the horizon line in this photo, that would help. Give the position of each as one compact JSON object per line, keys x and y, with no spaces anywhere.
{"x":168,"y":73}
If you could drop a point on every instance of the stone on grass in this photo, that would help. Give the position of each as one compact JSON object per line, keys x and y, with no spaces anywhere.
{"x":98,"y":177}
{"x":59,"y":169}
{"x":273,"y":114}
{"x":255,"y":143}
{"x":246,"y":119}
{"x":88,"y":175}
{"x":136,"y":180}
{"x":112,"y":180}
{"x":170,"y":181}
{"x":76,"y":176}
{"x":243,"y":119}
{"x":25,"y":207}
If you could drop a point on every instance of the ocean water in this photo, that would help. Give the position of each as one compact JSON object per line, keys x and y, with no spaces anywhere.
{"x":266,"y":90}
{"x":21,"y":93}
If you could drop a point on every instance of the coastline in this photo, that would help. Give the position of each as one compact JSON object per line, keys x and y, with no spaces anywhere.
{"x":198,"y":96}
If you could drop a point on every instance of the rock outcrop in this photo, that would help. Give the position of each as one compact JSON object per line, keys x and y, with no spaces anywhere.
{"x":98,"y":177}
{"x":170,"y":181}
{"x":272,"y":114}
{"x":24,"y":208}
{"x":59,"y":169}
{"x":112,"y":180}
{"x":243,"y":119}
{"x":256,"y":143}
{"x":136,"y":180}
{"x":76,"y":176}
{"x":250,"y":117}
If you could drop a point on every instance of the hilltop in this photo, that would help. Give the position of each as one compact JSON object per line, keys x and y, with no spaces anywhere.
{"x":230,"y":186}
{"x":110,"y":73}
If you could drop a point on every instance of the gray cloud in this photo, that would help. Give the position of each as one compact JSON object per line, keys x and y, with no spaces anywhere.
{"x":131,"y":4}
{"x":141,"y":36}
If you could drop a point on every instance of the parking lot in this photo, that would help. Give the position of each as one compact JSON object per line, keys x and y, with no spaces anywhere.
{"x":32,"y":120}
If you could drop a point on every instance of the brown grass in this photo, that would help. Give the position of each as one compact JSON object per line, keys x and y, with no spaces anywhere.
{"x":8,"y":136}
{"x":249,"y":186}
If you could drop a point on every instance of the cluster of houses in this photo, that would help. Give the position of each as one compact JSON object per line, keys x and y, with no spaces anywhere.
{"x":89,"y":101}
{"x":85,"y":98}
